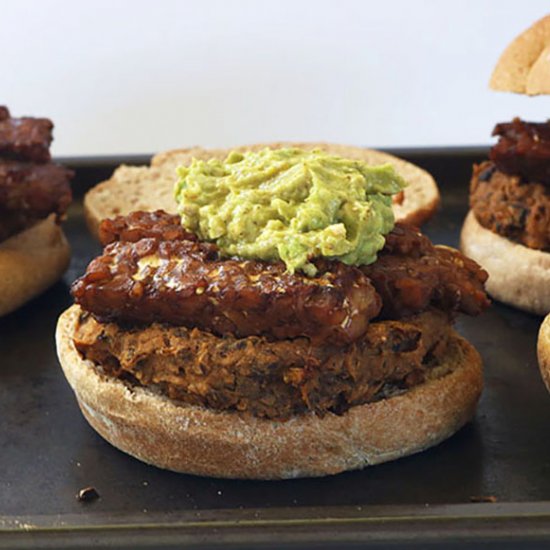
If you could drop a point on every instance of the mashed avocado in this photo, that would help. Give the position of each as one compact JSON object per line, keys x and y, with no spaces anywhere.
{"x":289,"y":204}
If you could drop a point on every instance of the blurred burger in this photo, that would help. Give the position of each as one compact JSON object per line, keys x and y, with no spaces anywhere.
{"x":508,"y":228}
{"x":34,"y":195}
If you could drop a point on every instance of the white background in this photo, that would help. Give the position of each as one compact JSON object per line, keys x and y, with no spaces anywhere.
{"x":135,"y":76}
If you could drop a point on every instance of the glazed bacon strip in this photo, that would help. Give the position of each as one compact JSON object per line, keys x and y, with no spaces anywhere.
{"x":31,"y":186}
{"x":144,"y":225}
{"x":146,"y":278}
{"x":523,"y":149}
{"x":30,"y":192}
{"x":411,"y":275}
{"x":185,"y":282}
{"x":25,"y":139}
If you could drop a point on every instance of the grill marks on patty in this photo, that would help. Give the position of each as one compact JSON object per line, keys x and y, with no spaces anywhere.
{"x":144,"y":278}
{"x":269,"y":379}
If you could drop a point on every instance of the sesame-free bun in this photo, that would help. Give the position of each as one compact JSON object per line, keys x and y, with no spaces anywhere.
{"x":524,"y":66}
{"x":30,"y":262}
{"x":133,"y":188}
{"x":543,"y":350}
{"x":518,"y":275}
{"x":197,"y":440}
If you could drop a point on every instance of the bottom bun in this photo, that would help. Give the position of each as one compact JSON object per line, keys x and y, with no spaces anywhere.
{"x":543,"y":351}
{"x":196,"y":440}
{"x":518,"y":275}
{"x":30,"y":262}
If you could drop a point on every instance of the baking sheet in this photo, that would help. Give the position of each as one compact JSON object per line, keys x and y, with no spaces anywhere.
{"x":48,"y":452}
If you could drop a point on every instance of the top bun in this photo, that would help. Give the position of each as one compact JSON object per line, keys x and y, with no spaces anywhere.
{"x":152,"y":187}
{"x":524,"y":67}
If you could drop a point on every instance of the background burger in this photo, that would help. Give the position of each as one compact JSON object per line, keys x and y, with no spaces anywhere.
{"x":280,"y":326}
{"x":34,"y":195}
{"x":508,"y":228}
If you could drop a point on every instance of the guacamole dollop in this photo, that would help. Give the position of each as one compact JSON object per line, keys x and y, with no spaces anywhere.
{"x":289,"y":204}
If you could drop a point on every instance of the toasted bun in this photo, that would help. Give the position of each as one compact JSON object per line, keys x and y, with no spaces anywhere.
{"x":30,"y":262}
{"x":149,"y":188}
{"x":196,"y":440}
{"x":518,"y":275}
{"x":543,"y":350}
{"x":524,"y":67}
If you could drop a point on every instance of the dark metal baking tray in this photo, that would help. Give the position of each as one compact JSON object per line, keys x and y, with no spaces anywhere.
{"x":48,"y":452}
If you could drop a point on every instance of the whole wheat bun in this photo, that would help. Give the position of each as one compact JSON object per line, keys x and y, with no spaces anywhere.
{"x":543,"y":350}
{"x":196,"y":440}
{"x":152,"y":187}
{"x":524,"y":66}
{"x":30,"y":262}
{"x":518,"y":275}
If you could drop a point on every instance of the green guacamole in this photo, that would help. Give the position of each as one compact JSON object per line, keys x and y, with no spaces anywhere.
{"x":289,"y":204}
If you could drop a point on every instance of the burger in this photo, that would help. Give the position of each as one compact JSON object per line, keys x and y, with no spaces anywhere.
{"x":34,"y":196}
{"x":507,"y":230}
{"x":280,"y":325}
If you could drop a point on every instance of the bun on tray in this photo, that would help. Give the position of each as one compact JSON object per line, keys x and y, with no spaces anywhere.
{"x":30,"y":262}
{"x":203,"y":441}
{"x":518,"y":275}
{"x":152,"y":187}
{"x":35,"y":194}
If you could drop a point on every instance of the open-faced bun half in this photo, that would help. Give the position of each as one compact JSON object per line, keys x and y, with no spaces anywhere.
{"x":543,"y":350}
{"x":524,"y":66}
{"x":197,"y":440}
{"x":518,"y":275}
{"x":152,"y":187}
{"x":30,"y":262}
